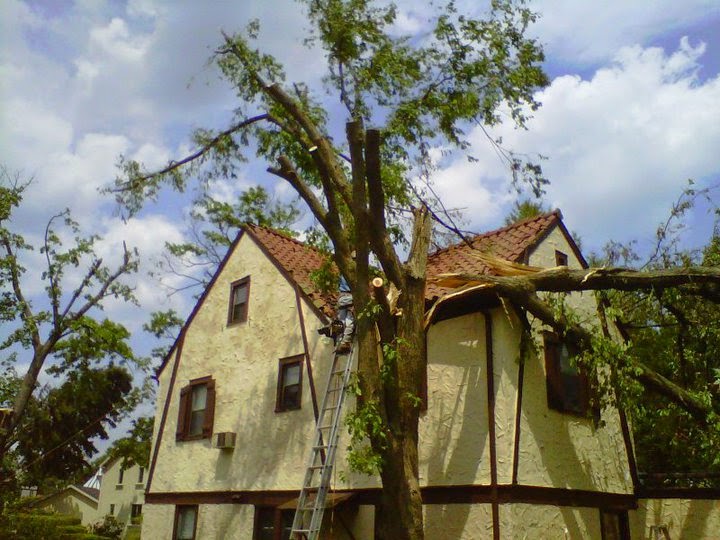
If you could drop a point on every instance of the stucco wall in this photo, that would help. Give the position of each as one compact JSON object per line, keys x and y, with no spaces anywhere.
{"x":696,"y":518}
{"x":243,"y":360}
{"x":122,"y":495}
{"x":458,"y":521}
{"x":454,"y":440}
{"x":542,"y":522}
{"x":72,"y":503}
{"x":557,"y":449}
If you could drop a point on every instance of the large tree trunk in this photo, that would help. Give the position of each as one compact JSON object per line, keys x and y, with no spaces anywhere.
{"x":401,"y":514}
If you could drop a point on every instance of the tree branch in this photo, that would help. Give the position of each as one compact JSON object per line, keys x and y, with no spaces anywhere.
{"x":174,"y":165}
{"x":622,"y":279}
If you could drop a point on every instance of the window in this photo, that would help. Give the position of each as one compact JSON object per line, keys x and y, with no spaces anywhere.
{"x":289,"y":388}
{"x":141,"y":475}
{"x":185,"y":522}
{"x":239,"y":295}
{"x":197,"y":410}
{"x":135,"y":510}
{"x":567,"y":386}
{"x":112,"y":509}
{"x":121,"y":475}
{"x":614,"y":525}
{"x":561,"y":259}
{"x":273,"y":523}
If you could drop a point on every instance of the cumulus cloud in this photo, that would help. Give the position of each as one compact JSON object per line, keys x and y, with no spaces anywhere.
{"x":583,"y":33}
{"x":620,"y":144}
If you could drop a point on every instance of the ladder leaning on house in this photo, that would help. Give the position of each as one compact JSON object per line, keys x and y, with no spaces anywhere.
{"x":311,"y":503}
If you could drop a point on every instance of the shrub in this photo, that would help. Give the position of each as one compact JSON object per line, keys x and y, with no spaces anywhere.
{"x":109,"y":527}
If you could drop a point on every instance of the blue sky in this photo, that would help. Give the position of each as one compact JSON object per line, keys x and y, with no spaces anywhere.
{"x":632,"y":112}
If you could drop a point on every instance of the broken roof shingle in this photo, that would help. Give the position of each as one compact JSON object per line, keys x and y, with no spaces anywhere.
{"x":298,"y":260}
{"x":510,"y":243}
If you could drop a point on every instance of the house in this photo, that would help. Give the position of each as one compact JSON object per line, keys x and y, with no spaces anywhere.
{"x":122,"y":491}
{"x":75,"y":500}
{"x":507,"y":449}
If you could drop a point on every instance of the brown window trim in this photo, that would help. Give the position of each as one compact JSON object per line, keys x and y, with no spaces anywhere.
{"x":177,"y":519}
{"x":623,"y":523}
{"x":183,"y":425}
{"x":556,"y":390}
{"x":277,"y":520}
{"x":279,"y":398}
{"x":243,"y":316}
{"x":561,"y":259}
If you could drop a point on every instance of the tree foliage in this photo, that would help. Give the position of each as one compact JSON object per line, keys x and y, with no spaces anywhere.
{"x":57,"y":436}
{"x":59,"y":331}
{"x":134,"y":449}
{"x":369,"y":189}
{"x":214,"y":224}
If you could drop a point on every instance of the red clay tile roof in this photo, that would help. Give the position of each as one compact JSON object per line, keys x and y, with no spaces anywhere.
{"x":509,"y":243}
{"x":298,"y":260}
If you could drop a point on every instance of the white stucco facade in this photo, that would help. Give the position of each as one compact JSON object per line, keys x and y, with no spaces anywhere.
{"x":542,"y":457}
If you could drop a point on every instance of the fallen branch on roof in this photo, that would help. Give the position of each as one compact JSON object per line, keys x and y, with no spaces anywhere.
{"x":704,"y":280}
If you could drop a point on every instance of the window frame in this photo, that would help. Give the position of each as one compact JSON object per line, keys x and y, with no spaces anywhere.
{"x":141,"y":475}
{"x":277,"y":517}
{"x":182,"y":432}
{"x":623,"y":523}
{"x":121,"y":476}
{"x":561,"y":258}
{"x":178,"y":509}
{"x":112,"y":509}
{"x":556,"y":382}
{"x":135,"y":510}
{"x":283,"y":364}
{"x":242,"y":282}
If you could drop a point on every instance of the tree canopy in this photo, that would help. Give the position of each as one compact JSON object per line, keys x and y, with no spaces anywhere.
{"x":85,"y":356}
{"x":365,"y":175}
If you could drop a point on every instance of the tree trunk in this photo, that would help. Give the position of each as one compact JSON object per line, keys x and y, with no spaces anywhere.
{"x":401,"y":514}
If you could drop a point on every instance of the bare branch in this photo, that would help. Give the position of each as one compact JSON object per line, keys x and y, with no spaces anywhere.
{"x":174,"y":165}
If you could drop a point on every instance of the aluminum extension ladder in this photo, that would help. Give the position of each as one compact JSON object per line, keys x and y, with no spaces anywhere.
{"x":311,"y":503}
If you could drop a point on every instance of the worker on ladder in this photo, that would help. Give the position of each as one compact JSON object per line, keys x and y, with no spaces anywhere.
{"x":342,"y":328}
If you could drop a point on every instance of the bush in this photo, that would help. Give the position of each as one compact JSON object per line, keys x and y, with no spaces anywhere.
{"x":109,"y":527}
{"x":40,"y":525}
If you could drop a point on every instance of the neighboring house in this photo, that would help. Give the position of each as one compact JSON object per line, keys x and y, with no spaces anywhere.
{"x":122,"y":491}
{"x":512,"y":454}
{"x":77,"y":500}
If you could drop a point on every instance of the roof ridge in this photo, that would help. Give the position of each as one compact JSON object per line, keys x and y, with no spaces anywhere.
{"x":556,"y":212}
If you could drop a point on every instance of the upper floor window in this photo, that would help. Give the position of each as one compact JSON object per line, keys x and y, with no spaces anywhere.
{"x":185,"y":522}
{"x":289,"y":388}
{"x":121,"y":475}
{"x":567,"y":386}
{"x":197,"y":410}
{"x":239,"y":295}
{"x":561,"y":259}
{"x":141,"y":475}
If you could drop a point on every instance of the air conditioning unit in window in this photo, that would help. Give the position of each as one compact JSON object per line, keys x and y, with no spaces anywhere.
{"x":225,"y":440}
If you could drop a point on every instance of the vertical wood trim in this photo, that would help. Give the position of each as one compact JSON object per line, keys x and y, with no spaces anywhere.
{"x":166,"y":407}
{"x":308,"y":365}
{"x":518,"y":417}
{"x":491,"y":422}
{"x":632,"y":464}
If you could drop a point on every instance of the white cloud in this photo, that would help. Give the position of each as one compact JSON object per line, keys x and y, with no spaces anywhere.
{"x":148,"y":235}
{"x":115,"y":40}
{"x":622,"y":144}
{"x":582,"y":33}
